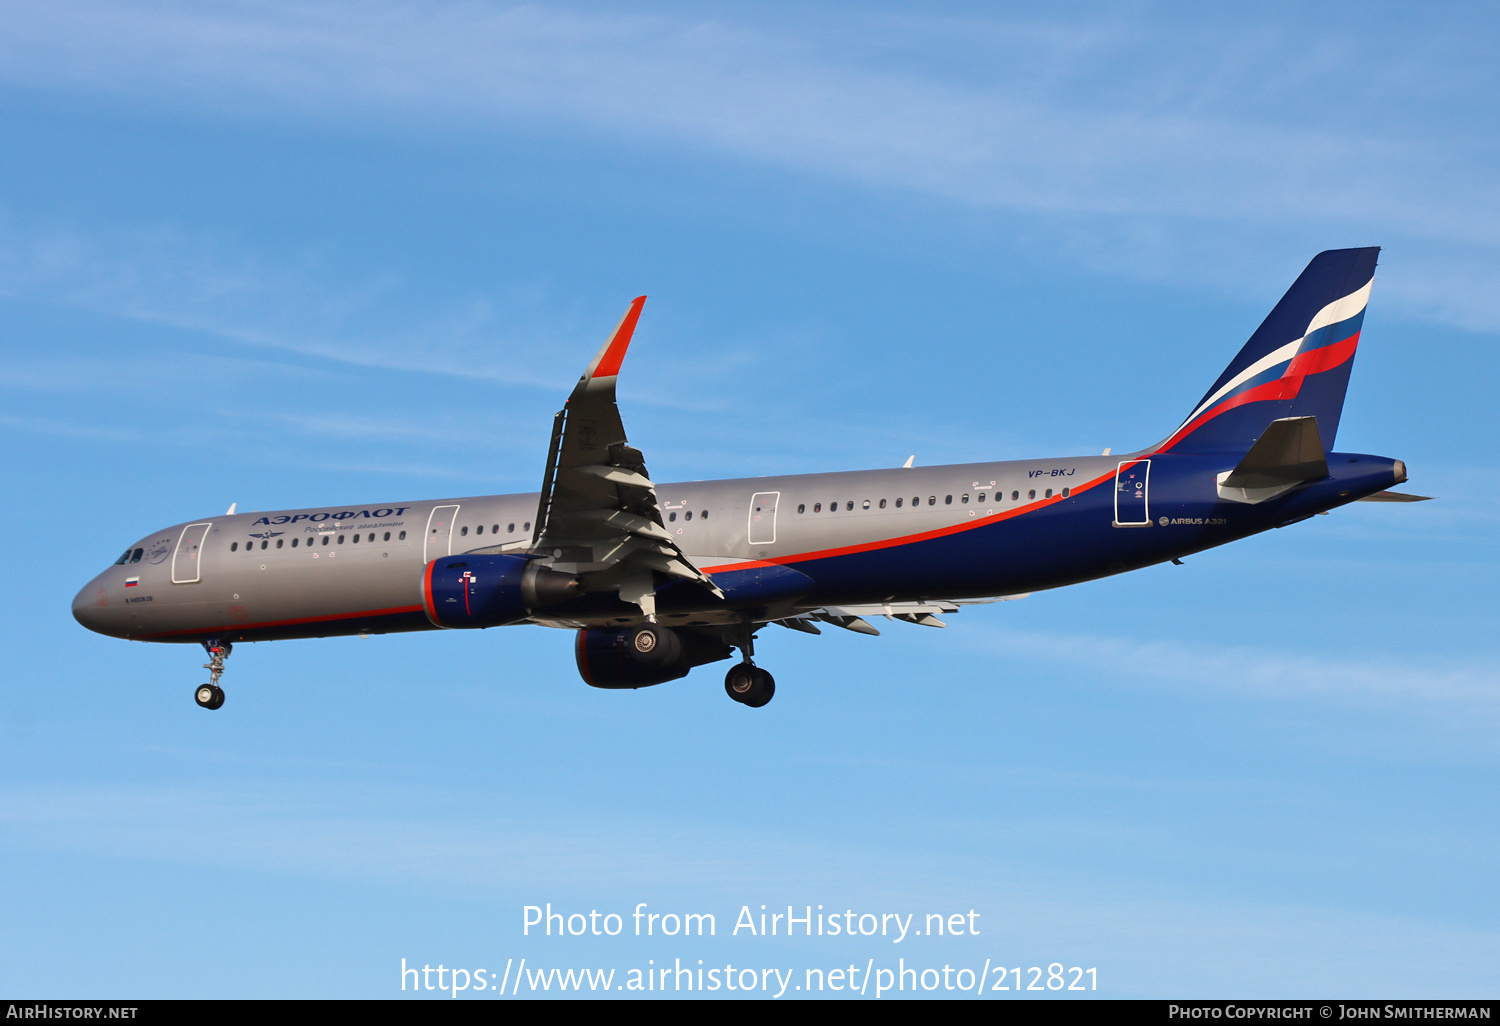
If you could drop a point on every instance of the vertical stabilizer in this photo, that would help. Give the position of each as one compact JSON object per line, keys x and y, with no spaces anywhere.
{"x":1295,"y":365}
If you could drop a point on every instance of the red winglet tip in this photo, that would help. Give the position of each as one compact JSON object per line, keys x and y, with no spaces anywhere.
{"x":614,"y":353}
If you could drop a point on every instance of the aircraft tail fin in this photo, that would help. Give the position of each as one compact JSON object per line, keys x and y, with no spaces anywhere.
{"x":1296,"y":364}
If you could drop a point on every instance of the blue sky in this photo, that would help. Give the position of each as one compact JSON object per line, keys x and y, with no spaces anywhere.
{"x":286,"y":255}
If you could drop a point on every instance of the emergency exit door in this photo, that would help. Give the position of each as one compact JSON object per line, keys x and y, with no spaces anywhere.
{"x":1132,"y":499}
{"x":439,"y":540}
{"x":763,"y":518}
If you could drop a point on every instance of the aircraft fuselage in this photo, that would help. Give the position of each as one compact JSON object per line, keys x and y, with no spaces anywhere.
{"x":962,"y":531}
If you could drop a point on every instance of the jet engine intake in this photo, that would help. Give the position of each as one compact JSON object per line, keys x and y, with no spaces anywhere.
{"x":491,"y":590}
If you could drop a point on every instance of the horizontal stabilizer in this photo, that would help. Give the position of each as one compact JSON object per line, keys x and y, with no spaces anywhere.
{"x":1395,"y":497}
{"x":1289,"y":452}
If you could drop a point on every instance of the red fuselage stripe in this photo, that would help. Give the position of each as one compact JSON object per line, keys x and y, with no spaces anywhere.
{"x":908,"y":539}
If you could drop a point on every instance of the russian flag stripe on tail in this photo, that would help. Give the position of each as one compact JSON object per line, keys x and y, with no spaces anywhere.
{"x":1295,"y":365}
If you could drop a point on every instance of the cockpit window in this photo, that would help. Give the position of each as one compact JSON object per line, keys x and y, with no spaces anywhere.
{"x":135,"y":557}
{"x":123,"y":559}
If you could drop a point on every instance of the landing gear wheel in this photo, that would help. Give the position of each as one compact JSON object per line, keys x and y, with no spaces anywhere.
{"x":209,"y":696}
{"x":749,"y":685}
{"x":653,"y":645}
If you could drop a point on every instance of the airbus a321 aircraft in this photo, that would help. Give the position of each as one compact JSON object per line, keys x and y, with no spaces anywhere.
{"x":659,"y":578}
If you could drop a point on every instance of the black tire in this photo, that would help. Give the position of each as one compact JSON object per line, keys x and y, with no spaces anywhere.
{"x":749,"y":685}
{"x":218,"y":698}
{"x":739,"y":681}
{"x":205,"y":696}
{"x":764,"y":690}
{"x":653,"y":645}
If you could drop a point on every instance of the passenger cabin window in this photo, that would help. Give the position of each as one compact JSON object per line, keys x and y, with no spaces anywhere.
{"x":865,"y":504}
{"x":325,"y":539}
{"x":916,"y":500}
{"x":898,"y":503}
{"x":1065,"y":492}
{"x":1015,"y":496}
{"x":1031,"y":494}
{"x":294,"y":543}
{"x":882,"y":504}
{"x":817,"y":507}
{"x":479,"y":529}
{"x":233,"y":547}
{"x":688,"y":515}
{"x":462,"y":531}
{"x":264,"y":544}
{"x":932,"y":500}
{"x":387,"y":536}
{"x":341,"y":539}
{"x":526,"y":526}
{"x":1049,"y":494}
{"x":511,"y":528}
{"x":356,"y":539}
{"x":965,"y":499}
{"x":401,"y":536}
{"x":801,"y":507}
{"x":494,"y":529}
{"x":671,"y":517}
{"x":279,"y":541}
{"x":947,"y":500}
{"x":703,"y":515}
{"x":849,"y":504}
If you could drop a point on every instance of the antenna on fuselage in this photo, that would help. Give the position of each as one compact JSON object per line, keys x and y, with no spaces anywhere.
{"x":230,"y":511}
{"x":907,"y":464}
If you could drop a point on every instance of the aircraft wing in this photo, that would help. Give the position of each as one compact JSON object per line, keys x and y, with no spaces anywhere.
{"x":598,"y":516}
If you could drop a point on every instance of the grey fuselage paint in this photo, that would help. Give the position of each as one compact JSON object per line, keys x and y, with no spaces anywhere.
{"x":330,"y":584}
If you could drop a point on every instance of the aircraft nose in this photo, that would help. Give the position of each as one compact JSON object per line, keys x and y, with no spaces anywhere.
{"x":89,"y":605}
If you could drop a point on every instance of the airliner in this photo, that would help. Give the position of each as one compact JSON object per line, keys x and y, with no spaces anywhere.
{"x":658,"y":578}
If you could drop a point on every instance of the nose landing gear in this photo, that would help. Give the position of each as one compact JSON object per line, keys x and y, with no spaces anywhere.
{"x":210,"y":695}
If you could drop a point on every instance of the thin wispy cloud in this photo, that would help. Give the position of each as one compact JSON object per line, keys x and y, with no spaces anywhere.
{"x":1387,"y":685}
{"x":166,"y":278}
{"x":1217,"y":132}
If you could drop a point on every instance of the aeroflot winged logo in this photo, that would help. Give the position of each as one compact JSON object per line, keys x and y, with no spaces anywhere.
{"x":343,"y":514}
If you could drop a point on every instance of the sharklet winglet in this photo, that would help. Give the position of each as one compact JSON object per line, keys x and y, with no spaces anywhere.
{"x":606,"y":362}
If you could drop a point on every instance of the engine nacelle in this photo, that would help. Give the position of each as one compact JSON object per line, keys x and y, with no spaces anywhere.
{"x":638,"y":657}
{"x":490,"y":590}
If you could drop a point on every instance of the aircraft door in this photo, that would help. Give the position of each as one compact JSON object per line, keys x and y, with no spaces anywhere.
{"x":439,"y":541}
{"x":189,"y":554}
{"x":1132,"y":479}
{"x":763,"y":518}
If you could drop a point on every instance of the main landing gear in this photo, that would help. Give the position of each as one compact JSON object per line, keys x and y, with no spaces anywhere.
{"x":210,"y":695}
{"x":747,"y":683}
